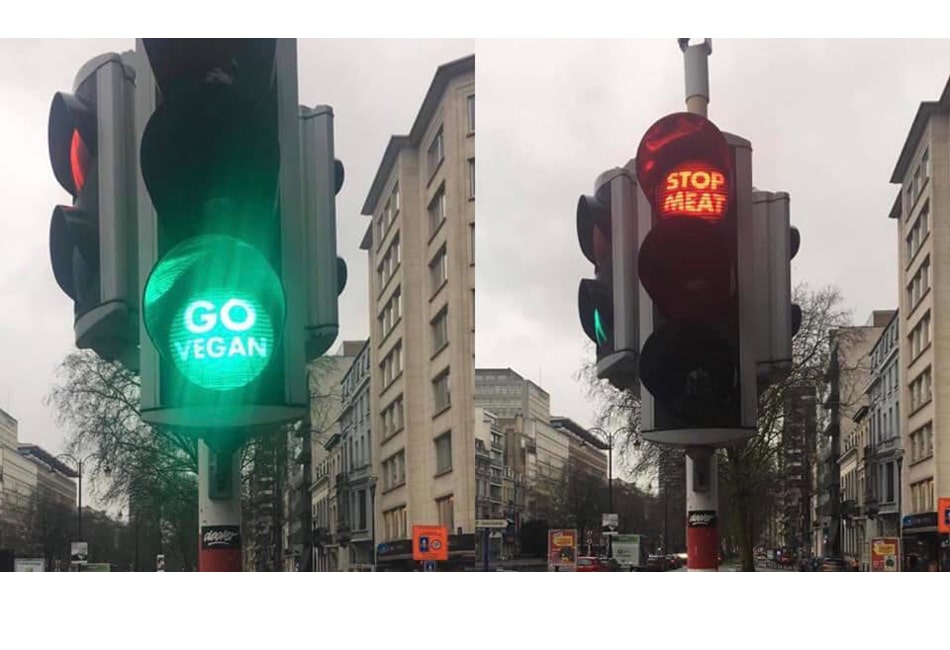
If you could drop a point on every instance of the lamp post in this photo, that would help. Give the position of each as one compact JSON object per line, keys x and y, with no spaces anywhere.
{"x":79,"y":464}
{"x":609,"y":435}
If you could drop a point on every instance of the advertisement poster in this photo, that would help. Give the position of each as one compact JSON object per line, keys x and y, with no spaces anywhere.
{"x":885,"y":554}
{"x":562,"y":550}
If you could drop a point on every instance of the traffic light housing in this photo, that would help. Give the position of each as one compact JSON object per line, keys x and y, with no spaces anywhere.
{"x":238,"y":189}
{"x":323,"y":180}
{"x":216,"y":301}
{"x":93,"y":245}
{"x":608,"y":305}
{"x":776,"y":242}
{"x":695,"y":265}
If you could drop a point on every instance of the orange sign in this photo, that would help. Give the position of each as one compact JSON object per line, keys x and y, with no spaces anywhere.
{"x":430,"y":543}
{"x":885,"y":554}
{"x":693,"y":190}
{"x":943,"y":515}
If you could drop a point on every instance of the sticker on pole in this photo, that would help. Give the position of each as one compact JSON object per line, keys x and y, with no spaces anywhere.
{"x":701,"y":519}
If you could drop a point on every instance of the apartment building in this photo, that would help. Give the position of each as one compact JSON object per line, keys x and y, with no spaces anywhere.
{"x":420,"y":247}
{"x":885,"y":453}
{"x":847,"y":376}
{"x":797,"y":458}
{"x":921,"y":211}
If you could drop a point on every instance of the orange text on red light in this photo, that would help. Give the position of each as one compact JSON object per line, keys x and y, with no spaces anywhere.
{"x":694,"y":192}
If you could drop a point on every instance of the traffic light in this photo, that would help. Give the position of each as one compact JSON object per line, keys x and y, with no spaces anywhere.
{"x":608,"y":305}
{"x":323,"y":180}
{"x":216,"y":304}
{"x":93,"y":245}
{"x":695,"y":264}
{"x":776,"y":242}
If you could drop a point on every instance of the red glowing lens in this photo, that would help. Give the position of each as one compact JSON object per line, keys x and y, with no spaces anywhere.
{"x":79,"y":159}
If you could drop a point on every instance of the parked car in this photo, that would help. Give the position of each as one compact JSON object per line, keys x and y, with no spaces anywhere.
{"x":683,"y":559}
{"x":657,"y":563}
{"x":590,"y":564}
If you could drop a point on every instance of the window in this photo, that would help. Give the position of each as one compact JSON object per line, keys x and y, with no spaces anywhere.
{"x":438,"y":271}
{"x":394,"y":199}
{"x":471,"y":241}
{"x":471,"y":113}
{"x":392,"y":365}
{"x":890,"y":483}
{"x":919,"y":284}
{"x":392,"y":417}
{"x":440,"y":331}
{"x":920,"y":389}
{"x":471,"y":178}
{"x":394,"y":523}
{"x":361,"y":509}
{"x":446,"y":512}
{"x":436,"y":152}
{"x":918,"y":233}
{"x":440,"y":391}
{"x":389,"y":263}
{"x":443,"y":453}
{"x":394,"y":470}
{"x":436,"y":210}
{"x":391,"y":313}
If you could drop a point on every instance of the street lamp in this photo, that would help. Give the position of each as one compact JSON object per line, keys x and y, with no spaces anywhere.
{"x":79,"y":464}
{"x":609,"y":435}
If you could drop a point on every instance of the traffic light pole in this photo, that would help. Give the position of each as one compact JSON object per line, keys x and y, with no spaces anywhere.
{"x":219,"y":509}
{"x":702,"y":532}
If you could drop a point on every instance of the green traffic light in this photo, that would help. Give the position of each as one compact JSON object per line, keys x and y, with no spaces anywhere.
{"x":215,"y":307}
{"x":599,"y":330}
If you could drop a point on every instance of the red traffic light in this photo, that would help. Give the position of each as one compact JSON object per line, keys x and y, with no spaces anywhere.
{"x":683,"y":165}
{"x":72,"y":139}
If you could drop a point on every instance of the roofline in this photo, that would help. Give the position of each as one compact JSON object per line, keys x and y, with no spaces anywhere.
{"x":40,"y":455}
{"x":924,"y":112}
{"x":573,"y":427}
{"x":440,"y":81}
{"x":895,"y":212}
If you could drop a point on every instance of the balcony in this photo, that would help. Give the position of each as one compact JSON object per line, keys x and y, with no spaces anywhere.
{"x":358,"y":474}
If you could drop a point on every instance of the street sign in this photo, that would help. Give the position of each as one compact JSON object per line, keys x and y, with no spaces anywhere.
{"x":885,"y":554}
{"x":943,"y":515}
{"x":160,"y":563}
{"x":430,"y":543}
{"x":562,"y":549}
{"x":626,"y":550}
{"x":610,"y":523}
{"x":491,"y":523}
{"x":29,"y":565}
{"x":428,"y":566}
{"x":79,"y":552}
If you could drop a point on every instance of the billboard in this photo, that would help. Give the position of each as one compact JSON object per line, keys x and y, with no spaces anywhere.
{"x":562,"y":549}
{"x":626,"y":550}
{"x":885,"y":554}
{"x":943,"y":515}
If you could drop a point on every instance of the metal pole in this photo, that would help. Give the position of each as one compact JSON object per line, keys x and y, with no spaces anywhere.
{"x":702,"y":534}
{"x":610,"y":488}
{"x":219,"y":513}
{"x":79,"y":513}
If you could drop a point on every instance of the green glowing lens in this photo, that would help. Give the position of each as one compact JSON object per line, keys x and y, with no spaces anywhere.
{"x":599,"y":330}
{"x":215,"y":307}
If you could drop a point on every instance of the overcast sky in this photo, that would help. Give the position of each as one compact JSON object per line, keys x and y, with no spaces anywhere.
{"x":375,"y":87}
{"x":826,"y":119}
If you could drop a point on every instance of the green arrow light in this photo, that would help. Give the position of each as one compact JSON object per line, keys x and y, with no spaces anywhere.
{"x":599,"y":330}
{"x":215,"y":307}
